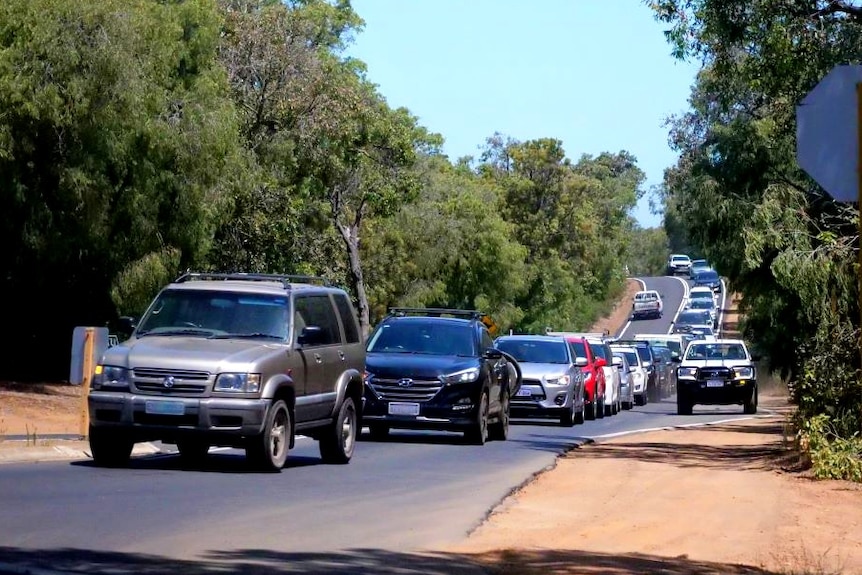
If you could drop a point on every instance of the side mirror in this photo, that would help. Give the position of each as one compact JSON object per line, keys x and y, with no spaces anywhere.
{"x":676,"y":359}
{"x":633,"y":368}
{"x":492,"y":353}
{"x":618,"y":361}
{"x":581,"y":362}
{"x":127,"y":323}
{"x":601,"y":362}
{"x":311,"y":335}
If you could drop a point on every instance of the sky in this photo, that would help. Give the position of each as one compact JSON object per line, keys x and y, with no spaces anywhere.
{"x":595,"y":74}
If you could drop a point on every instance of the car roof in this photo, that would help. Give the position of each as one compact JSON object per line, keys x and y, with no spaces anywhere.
{"x":532,"y":337}
{"x":699,"y":289}
{"x":679,"y":256}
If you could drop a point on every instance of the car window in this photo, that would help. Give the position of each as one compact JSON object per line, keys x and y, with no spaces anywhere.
{"x":317,"y":310}
{"x":422,"y":336}
{"x":348,"y":318}
{"x":487,"y":340}
{"x":694,"y":316}
{"x":579,"y":349}
{"x":600,"y":351}
{"x":534,"y":350}
{"x":715,"y":351}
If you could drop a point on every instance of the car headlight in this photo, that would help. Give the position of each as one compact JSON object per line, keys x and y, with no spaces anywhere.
{"x":746,"y":372}
{"x":110,"y":377}
{"x":561,"y":380}
{"x":686,"y":372}
{"x":637,"y":375}
{"x":238,"y":382}
{"x":463,"y":376}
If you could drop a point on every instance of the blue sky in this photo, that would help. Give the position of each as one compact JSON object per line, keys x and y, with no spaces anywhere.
{"x":595,"y":74}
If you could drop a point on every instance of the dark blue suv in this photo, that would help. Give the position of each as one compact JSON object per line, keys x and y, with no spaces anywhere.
{"x":431,"y":368}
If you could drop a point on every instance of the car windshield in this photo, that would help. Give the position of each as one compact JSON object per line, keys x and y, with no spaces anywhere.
{"x":694,"y":317}
{"x":535,"y":350}
{"x":646,"y":296}
{"x":702,"y":303}
{"x":705,"y":293}
{"x":423,"y":335}
{"x":673,"y":345}
{"x":631,"y":357}
{"x":680,"y":259}
{"x":707,"y":275}
{"x":706,"y":350}
{"x":699,"y":264}
{"x":210,"y":313}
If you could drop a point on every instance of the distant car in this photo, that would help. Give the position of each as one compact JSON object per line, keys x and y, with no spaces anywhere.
{"x":647,"y":359}
{"x":707,"y":304}
{"x":552,"y":377}
{"x":696,"y":266}
{"x":708,"y":278}
{"x":595,"y":386}
{"x":647,"y":303}
{"x":720,"y":372}
{"x":627,"y":397}
{"x":637,"y":372}
{"x":698,"y":292}
{"x":678,"y":264}
{"x":675,"y":342}
{"x":692,"y":317}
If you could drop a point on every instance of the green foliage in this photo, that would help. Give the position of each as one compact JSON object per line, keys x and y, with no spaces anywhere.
{"x":832,"y":455}
{"x":647,"y":252}
{"x":738,"y":197}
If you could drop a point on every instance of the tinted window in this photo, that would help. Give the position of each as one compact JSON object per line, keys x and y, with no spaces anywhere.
{"x":695,"y":317}
{"x":348,"y":318}
{"x":414,"y":335}
{"x":535,"y":350}
{"x":317,"y":310}
{"x":487,"y":340}
{"x":600,"y":351}
{"x":715,"y":351}
{"x":578,"y":348}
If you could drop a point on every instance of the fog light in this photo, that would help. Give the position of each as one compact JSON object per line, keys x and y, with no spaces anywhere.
{"x":560,"y":399}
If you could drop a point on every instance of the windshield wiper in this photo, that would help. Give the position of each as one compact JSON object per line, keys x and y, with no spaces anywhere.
{"x":182,"y":331}
{"x":254,"y":335}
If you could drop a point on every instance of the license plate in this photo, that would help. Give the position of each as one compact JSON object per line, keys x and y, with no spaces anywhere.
{"x":715,"y":383}
{"x":396,"y":408}
{"x":165,"y":408}
{"x":524,"y":392}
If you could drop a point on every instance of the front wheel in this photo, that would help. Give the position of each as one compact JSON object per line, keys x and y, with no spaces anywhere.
{"x":478,"y":433}
{"x":500,"y":429}
{"x":683,"y":405}
{"x":110,"y":447}
{"x":269,"y":449}
{"x":750,"y":406}
{"x":338,"y":441}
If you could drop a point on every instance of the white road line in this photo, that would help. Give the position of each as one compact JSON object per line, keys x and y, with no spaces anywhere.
{"x":681,"y":303}
{"x":766,"y":413}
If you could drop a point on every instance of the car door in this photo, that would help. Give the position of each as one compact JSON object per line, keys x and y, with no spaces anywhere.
{"x":322,"y":356}
{"x":498,"y":371}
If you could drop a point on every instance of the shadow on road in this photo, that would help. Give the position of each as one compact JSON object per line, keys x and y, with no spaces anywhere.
{"x":739,"y":454}
{"x":360,"y":562}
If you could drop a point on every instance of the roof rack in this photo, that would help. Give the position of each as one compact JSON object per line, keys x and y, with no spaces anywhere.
{"x":285,"y":279}
{"x":436,"y":312}
{"x":439,"y":312}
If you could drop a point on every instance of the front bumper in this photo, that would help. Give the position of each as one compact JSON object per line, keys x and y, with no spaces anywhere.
{"x":732,"y":392}
{"x":452,"y":409}
{"x":542,"y":399}
{"x":151,"y":418}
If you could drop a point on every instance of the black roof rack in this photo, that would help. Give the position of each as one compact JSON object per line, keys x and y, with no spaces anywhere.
{"x":285,"y":279}
{"x":440,"y":311}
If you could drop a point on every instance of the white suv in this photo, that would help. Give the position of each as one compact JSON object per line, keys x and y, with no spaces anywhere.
{"x":678,"y":264}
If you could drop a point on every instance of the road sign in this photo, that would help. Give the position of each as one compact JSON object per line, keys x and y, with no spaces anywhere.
{"x":828,"y":133}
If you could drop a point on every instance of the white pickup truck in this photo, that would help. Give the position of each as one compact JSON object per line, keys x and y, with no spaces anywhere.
{"x":647,"y":303}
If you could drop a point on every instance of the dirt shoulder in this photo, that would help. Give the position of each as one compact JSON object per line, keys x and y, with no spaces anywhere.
{"x":715,"y":499}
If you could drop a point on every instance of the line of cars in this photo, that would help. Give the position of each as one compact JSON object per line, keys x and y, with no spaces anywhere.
{"x":251,"y":361}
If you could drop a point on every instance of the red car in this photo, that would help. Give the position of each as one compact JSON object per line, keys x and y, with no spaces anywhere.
{"x":594,"y":380}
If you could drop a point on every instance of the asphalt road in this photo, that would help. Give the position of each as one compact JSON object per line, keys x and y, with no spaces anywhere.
{"x":414,"y":492}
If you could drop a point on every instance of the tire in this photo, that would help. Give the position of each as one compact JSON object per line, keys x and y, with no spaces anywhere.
{"x":592,"y":414}
{"x":581,"y":414}
{"x":379,"y":431}
{"x":499,"y":430}
{"x":268,"y":451}
{"x":110,"y":447}
{"x":567,"y":419}
{"x":600,"y":412}
{"x":683,"y":405}
{"x":750,"y":405}
{"x":339,"y":440}
{"x":478,"y":433}
{"x":193,"y":451}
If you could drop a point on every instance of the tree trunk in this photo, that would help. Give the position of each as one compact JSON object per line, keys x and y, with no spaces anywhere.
{"x":350,"y":235}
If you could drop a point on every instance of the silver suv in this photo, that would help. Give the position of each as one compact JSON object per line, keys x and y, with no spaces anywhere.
{"x":237,"y":360}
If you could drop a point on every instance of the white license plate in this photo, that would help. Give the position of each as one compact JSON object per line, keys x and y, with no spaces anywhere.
{"x":165,"y":408}
{"x":525,"y":392}
{"x":397,"y":408}
{"x":715,"y":383}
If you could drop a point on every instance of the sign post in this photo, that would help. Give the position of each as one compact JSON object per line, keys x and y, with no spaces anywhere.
{"x":829,"y":143}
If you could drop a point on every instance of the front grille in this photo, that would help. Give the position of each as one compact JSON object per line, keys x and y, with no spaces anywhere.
{"x":184,"y":382}
{"x":715,"y":373}
{"x":418,"y":390}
